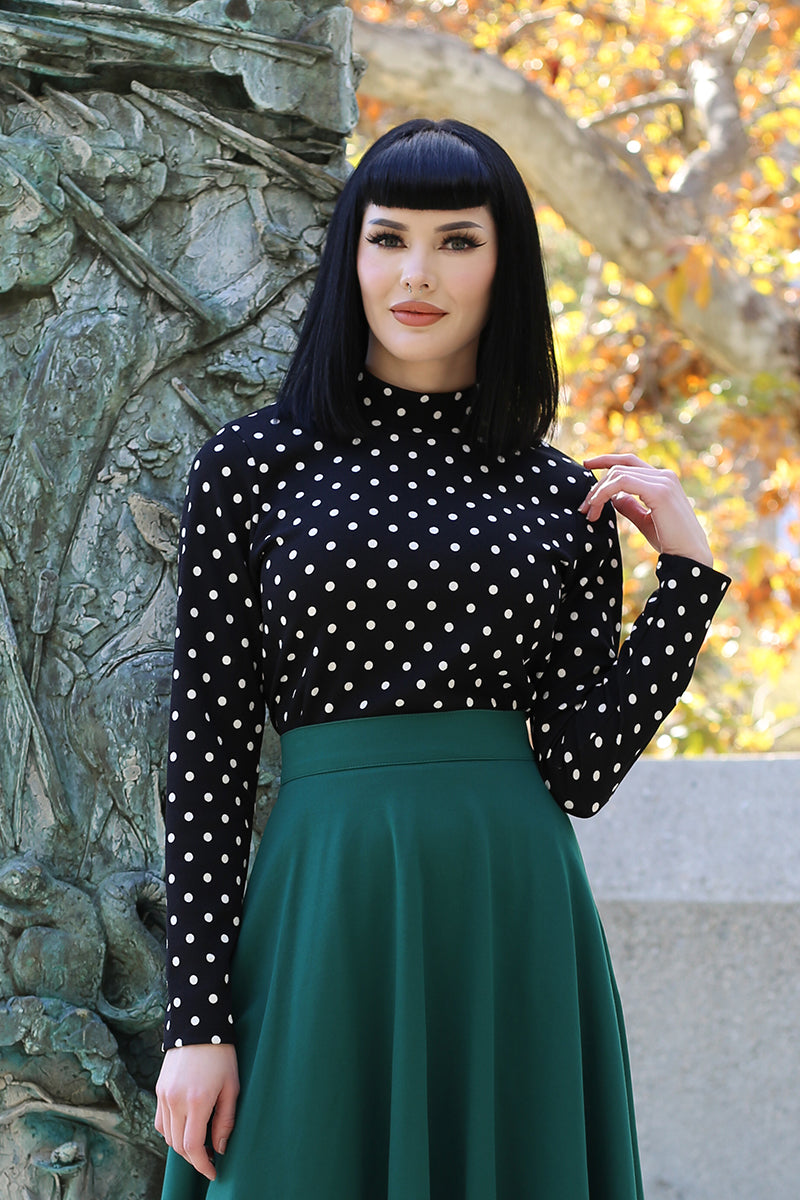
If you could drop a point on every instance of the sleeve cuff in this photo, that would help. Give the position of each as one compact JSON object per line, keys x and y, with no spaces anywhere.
{"x":685,"y":575}
{"x":201,"y":1027}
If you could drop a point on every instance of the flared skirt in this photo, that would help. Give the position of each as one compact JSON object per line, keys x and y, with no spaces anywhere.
{"x":425,"y":1007}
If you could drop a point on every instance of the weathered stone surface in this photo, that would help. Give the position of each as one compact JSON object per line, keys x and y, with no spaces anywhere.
{"x":163,"y":198}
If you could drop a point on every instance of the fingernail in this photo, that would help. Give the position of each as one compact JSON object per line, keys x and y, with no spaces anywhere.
{"x":222,"y":1144}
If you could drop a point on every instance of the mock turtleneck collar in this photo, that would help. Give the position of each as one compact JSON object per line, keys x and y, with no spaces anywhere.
{"x":391,"y":404}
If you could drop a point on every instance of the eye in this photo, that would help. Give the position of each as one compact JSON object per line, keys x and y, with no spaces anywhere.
{"x":462,"y":241}
{"x":389,"y":240}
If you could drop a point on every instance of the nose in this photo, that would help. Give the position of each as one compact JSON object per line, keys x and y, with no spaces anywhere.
{"x":417,"y":273}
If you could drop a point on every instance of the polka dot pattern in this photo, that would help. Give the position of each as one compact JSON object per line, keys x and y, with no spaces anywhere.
{"x":401,"y":571}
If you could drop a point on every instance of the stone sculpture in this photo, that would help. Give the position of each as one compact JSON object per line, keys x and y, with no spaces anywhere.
{"x":166,"y":174}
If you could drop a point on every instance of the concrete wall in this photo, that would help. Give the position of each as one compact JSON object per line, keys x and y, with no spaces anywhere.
{"x":695,"y":865}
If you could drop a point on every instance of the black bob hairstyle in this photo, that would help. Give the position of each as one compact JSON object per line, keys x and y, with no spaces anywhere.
{"x":425,"y":164}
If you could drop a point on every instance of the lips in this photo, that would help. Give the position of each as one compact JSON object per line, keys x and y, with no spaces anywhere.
{"x":417,"y":312}
{"x":417,"y":306}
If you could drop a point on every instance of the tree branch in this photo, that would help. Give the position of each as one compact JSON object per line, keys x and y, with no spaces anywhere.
{"x":637,"y":105}
{"x":716,"y":106}
{"x":647,"y":232}
{"x":517,"y":28}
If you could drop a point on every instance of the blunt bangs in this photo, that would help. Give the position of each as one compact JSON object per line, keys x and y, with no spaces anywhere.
{"x":430,"y":169}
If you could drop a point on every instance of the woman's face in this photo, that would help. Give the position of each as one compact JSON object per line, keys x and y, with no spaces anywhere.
{"x":426,"y":279}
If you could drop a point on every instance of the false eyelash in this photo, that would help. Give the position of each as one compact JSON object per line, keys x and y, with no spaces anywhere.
{"x":469,"y":238}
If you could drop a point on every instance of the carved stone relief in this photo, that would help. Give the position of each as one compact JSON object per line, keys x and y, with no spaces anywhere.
{"x":166,"y":175}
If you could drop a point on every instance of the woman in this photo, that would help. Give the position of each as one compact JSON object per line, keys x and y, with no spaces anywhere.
{"x":394,"y":561}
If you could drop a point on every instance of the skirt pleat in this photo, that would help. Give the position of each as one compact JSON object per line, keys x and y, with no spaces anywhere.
{"x":425,"y":1007}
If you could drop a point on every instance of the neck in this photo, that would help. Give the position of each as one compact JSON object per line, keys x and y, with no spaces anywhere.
{"x":432,"y":376}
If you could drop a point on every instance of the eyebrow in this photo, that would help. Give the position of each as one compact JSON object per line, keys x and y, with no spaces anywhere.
{"x":439,"y":228}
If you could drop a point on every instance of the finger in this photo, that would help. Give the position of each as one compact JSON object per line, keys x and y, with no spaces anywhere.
{"x":161,"y":1122}
{"x":639,"y":474}
{"x":165,"y":1124}
{"x":638,"y":514}
{"x":193,"y":1146}
{"x":175,"y":1139}
{"x":650,"y":484}
{"x":611,"y":460}
{"x":223,"y":1119}
{"x":624,"y":502}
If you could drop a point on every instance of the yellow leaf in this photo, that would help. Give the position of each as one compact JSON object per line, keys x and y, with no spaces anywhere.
{"x":675,"y":290}
{"x":562,"y":291}
{"x":698,"y":263}
{"x":642,"y":295}
{"x":773,"y":175}
{"x":703,"y":294}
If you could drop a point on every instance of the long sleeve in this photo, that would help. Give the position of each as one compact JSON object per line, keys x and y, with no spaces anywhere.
{"x":595,"y":708}
{"x":217,"y":719}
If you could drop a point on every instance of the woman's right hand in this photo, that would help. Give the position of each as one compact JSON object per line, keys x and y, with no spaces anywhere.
{"x":196,"y":1081}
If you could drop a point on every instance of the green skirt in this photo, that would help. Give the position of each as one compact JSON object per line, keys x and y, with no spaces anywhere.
{"x":424,"y":1002}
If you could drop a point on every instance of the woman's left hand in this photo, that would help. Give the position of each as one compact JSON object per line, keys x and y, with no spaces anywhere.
{"x":653,"y":500}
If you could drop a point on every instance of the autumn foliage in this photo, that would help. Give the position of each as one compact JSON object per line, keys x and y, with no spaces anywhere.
{"x":633,"y":381}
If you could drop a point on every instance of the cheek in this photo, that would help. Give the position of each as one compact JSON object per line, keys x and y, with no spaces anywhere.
{"x":476,"y":288}
{"x":371,"y":277}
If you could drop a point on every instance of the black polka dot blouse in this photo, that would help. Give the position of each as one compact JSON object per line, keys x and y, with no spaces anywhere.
{"x":398,"y":572}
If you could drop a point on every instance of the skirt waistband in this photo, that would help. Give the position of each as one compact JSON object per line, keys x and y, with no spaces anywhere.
{"x":468,"y":735}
